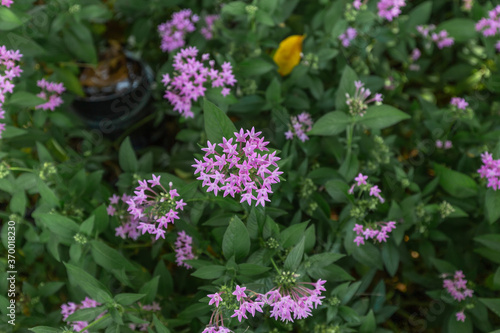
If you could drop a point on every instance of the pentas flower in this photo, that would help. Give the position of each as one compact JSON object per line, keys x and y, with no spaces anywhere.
{"x":415,"y":54}
{"x":154,"y":208}
{"x":457,"y":288}
{"x":183,"y":249}
{"x":425,"y":30}
{"x":118,"y":207}
{"x":359,"y":102}
{"x":190,"y":78}
{"x":389,"y":9}
{"x":241,"y":168}
{"x":174,"y":31}
{"x":7,"y":3}
{"x":51,"y":92}
{"x":442,"y":39}
{"x":459,"y":103}
{"x":378,"y":232}
{"x":70,"y":308}
{"x":299,"y":126}
{"x":490,"y":26}
{"x":8,"y":71}
{"x":347,"y":37}
{"x":467,"y":5}
{"x":207,"y":31}
{"x":490,"y":170}
{"x":446,"y":145}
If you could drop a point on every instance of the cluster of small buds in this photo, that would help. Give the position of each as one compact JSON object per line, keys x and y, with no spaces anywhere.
{"x":187,"y":84}
{"x":290,"y":301}
{"x":239,"y":169}
{"x":442,"y":39}
{"x":51,"y":92}
{"x":174,"y":31}
{"x":154,"y":210}
{"x":183,"y":249}
{"x":251,"y":10}
{"x":460,"y":108}
{"x":389,"y":9}
{"x":490,"y":26}
{"x":457,"y":288}
{"x":490,"y":170}
{"x":208,"y":31}
{"x":348,"y":36}
{"x":117,"y":207}
{"x":70,"y":308}
{"x":80,"y":238}
{"x":467,"y":5}
{"x":445,"y":209}
{"x":380,"y":232}
{"x":299,"y":126}
{"x":7,"y":3}
{"x":447,"y":144}
{"x":359,"y":103}
{"x":8,"y":71}
{"x":47,"y":169}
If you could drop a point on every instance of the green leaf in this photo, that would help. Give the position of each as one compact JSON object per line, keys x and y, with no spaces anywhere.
{"x":8,"y":20}
{"x":292,"y":234}
{"x":235,"y":8}
{"x":443,"y":266}
{"x":332,"y":123}
{"x":44,"y":329}
{"x":381,"y":116}
{"x":346,"y":85}
{"x":25,"y":99}
{"x":47,"y":194}
{"x":160,"y":328}
{"x":419,"y":15}
{"x":455,"y":183}
{"x":461,"y":29}
{"x":79,"y":42}
{"x":87,"y":226}
{"x":338,"y":190}
{"x":101,"y":218}
{"x":18,"y":203}
{"x":254,"y":67}
{"x":87,"y":314}
{"x":294,"y":258}
{"x":109,"y":258}
{"x":209,"y":272}
{"x":236,"y":241}
{"x":273,"y":92}
{"x":252,"y":269}
{"x":150,"y":289}
{"x":492,"y":205}
{"x":12,"y":132}
{"x":92,"y":287}
{"x":217,"y":123}
{"x":492,"y":303}
{"x":59,"y":225}
{"x":127,"y":299}
{"x":127,"y":157}
{"x":390,"y":256}
{"x":71,"y":82}
{"x":368,"y":325}
{"x":455,"y":326}
{"x":491,"y":241}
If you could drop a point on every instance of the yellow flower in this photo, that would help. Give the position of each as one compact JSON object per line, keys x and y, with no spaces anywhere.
{"x":287,"y":55}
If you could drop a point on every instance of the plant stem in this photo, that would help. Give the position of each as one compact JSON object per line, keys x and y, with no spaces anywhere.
{"x":95,"y":322}
{"x":21,"y":169}
{"x":349,"y":133}
{"x":275,"y":267}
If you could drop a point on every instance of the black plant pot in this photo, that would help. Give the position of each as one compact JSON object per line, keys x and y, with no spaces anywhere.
{"x":123,"y":105}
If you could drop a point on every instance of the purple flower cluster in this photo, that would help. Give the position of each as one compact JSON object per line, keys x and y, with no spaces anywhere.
{"x":287,"y":304}
{"x":174,"y":31}
{"x":51,"y":92}
{"x":216,"y":329}
{"x":70,"y":308}
{"x":208,"y":31}
{"x":155,"y":307}
{"x":299,"y":126}
{"x":359,"y":103}
{"x":8,"y":71}
{"x":459,"y":103}
{"x":240,"y":169}
{"x":187,"y":85}
{"x":446,"y":145}
{"x":457,"y":288}
{"x":441,"y":38}
{"x":379,"y":233}
{"x":490,"y":170}
{"x":154,"y":209}
{"x":7,"y":3}
{"x":490,"y":26}
{"x":128,"y":229}
{"x":183,"y":249}
{"x":374,"y":190}
{"x":347,"y":37}
{"x":389,"y":9}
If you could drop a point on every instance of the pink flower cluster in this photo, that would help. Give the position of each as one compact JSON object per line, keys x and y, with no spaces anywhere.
{"x":299,"y":126}
{"x":154,"y":209}
{"x":70,"y":308}
{"x":187,"y":85}
{"x":8,"y":71}
{"x":374,"y":190}
{"x":54,"y":99}
{"x":490,"y":170}
{"x":376,"y":234}
{"x":490,"y":26}
{"x":457,"y":288}
{"x":7,"y":3}
{"x":359,"y":103}
{"x":128,"y":229}
{"x":144,"y":327}
{"x":208,"y":31}
{"x":240,"y":169}
{"x":446,"y":145}
{"x":287,"y":304}
{"x":442,"y":39}
{"x":174,"y":31}
{"x":467,"y":5}
{"x":459,"y":103}
{"x":183,"y":249}
{"x":347,"y":37}
{"x":389,"y":9}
